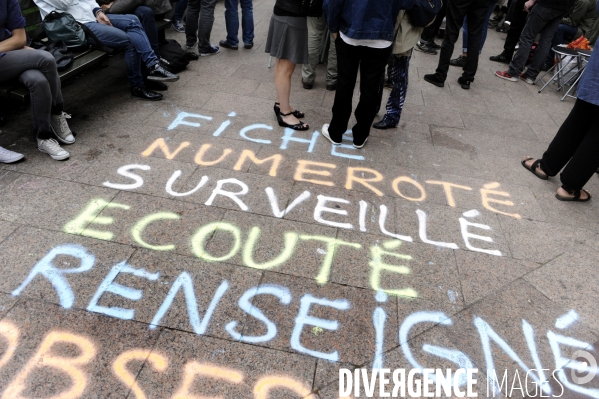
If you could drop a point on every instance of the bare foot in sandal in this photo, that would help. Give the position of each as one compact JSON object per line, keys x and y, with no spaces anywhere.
{"x":534,"y":166}
{"x":575,"y":195}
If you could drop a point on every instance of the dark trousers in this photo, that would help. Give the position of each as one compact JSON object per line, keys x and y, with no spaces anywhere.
{"x":36,"y":70}
{"x":148,"y":21}
{"x":575,"y":144}
{"x":371,"y":63}
{"x":200,"y":18}
{"x":563,"y":34}
{"x":517,"y":17}
{"x":543,"y":20}
{"x":457,"y":10}
{"x":428,"y":33}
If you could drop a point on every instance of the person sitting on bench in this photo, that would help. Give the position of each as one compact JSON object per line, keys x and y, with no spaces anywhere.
{"x":36,"y":70}
{"x":120,"y":32}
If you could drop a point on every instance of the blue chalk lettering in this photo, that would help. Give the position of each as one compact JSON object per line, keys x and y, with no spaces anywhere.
{"x":289,"y":137}
{"x":180,"y":120}
{"x":243,"y":132}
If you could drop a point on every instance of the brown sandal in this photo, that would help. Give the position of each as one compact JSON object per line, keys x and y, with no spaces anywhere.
{"x":533,"y":168}
{"x":576,"y":194}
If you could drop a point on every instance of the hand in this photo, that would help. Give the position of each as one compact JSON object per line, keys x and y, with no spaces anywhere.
{"x":528,"y":5}
{"x":334,"y":36}
{"x":103,"y":19}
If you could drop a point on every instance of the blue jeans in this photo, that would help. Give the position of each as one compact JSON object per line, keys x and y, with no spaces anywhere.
{"x":180,"y":8}
{"x":485,"y":27}
{"x":563,"y":34}
{"x":126,"y":33}
{"x":232,"y":21}
{"x":148,"y":22}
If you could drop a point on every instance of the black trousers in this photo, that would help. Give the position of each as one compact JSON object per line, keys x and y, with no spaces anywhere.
{"x":371,"y":63}
{"x":428,"y":33}
{"x":517,"y":17}
{"x":577,"y":145}
{"x":476,"y":11}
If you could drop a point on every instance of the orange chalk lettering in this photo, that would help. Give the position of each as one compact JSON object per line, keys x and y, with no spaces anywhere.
{"x":487,"y":190}
{"x":10,"y":332}
{"x":161,"y":144}
{"x":275,"y":159}
{"x":351,"y":177}
{"x":193,"y":369}
{"x":202,"y":151}
{"x":303,"y":168}
{"x":447,"y":188}
{"x":119,"y":368}
{"x":413,"y":182}
{"x":68,"y":365}
{"x":266,"y":384}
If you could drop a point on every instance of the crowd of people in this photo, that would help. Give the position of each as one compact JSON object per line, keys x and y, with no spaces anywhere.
{"x":366,"y":36}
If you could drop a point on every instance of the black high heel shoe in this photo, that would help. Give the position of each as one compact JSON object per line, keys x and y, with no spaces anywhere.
{"x":296,"y":113}
{"x":298,"y":126}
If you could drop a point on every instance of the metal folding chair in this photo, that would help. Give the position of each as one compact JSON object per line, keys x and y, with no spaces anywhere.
{"x":559,"y":69}
{"x":584,"y":60}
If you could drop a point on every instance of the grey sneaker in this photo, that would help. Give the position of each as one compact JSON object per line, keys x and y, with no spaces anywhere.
{"x":8,"y":156}
{"x":52,"y":148}
{"x":425,"y":48}
{"x":61,"y":129}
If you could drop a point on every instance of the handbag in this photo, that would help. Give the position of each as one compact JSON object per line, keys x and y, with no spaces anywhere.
{"x":424,"y":12}
{"x":61,"y":53}
{"x":61,"y":26}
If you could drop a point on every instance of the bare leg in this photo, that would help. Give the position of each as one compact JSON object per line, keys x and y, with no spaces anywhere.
{"x":283,"y":71}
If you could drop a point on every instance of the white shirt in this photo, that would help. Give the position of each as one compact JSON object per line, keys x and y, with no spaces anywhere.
{"x":366,"y":43}
{"x":81,"y":10}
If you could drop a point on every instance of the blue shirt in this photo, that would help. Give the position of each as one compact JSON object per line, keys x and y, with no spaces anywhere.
{"x":588,"y":87}
{"x":10,"y":19}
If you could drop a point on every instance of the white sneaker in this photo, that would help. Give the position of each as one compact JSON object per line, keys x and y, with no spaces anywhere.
{"x":52,"y":148}
{"x":325,"y":133}
{"x":7,"y":156}
{"x":61,"y":129}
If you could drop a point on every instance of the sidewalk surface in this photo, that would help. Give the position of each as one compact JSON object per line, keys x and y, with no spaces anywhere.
{"x":192,"y":248}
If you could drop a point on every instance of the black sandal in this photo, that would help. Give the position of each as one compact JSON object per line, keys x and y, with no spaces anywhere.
{"x":576,"y":194}
{"x":296,"y":113}
{"x":298,"y":126}
{"x":533,"y":168}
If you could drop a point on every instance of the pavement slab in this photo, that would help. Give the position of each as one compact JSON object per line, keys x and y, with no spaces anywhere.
{"x":193,"y":248}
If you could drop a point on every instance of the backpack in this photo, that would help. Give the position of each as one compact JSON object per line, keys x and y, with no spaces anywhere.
{"x":424,"y":12}
{"x":311,"y":8}
{"x":61,"y":26}
{"x":173,"y":57}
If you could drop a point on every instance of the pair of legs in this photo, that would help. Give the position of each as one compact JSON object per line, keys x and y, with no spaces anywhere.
{"x":180,"y":8}
{"x":428,"y":34}
{"x":200,"y":18}
{"x":563,"y":34}
{"x":543,"y":20}
{"x":575,"y":146}
{"x":283,"y":71}
{"x":397,"y":69}
{"x":232,"y":21}
{"x":316,"y":32}
{"x":371,"y":64}
{"x":457,"y":10}
{"x":36,"y":70}
{"x":127,"y":33}
{"x":483,"y":38}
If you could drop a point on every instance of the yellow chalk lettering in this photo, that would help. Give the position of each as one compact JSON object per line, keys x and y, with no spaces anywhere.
{"x":291,"y":239}
{"x":140,"y":226}
{"x":489,"y":189}
{"x":161,"y":144}
{"x":198,"y":241}
{"x":351,"y":177}
{"x":413,"y":182}
{"x":332,"y":244}
{"x":200,"y":155}
{"x":447,"y":188}
{"x":119,"y":368}
{"x":266,"y":384}
{"x":275,"y":159}
{"x":303,"y":168}
{"x":80,"y":224}
{"x":70,"y":366}
{"x":378,"y":266}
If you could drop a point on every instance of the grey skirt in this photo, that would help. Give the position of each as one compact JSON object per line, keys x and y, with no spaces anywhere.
{"x":288,"y":39}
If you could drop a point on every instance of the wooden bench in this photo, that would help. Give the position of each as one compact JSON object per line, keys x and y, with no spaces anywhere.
{"x":84,"y":59}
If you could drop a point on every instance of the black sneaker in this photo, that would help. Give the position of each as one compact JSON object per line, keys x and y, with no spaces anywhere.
{"x":464,"y":83}
{"x":225,"y":44}
{"x":458,"y":62}
{"x":248,"y":46}
{"x":500,"y":58}
{"x":433,"y":45}
{"x":157,"y":72}
{"x":145,"y":94}
{"x":212,"y":50}
{"x":425,"y":48}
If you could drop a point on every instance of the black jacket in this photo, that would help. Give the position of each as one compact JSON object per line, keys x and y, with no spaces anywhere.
{"x":309,"y":8}
{"x":563,"y":5}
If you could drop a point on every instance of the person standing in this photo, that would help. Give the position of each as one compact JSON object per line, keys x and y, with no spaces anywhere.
{"x":180,"y":7}
{"x":457,"y":10}
{"x":576,"y":144}
{"x":287,"y":42}
{"x":406,"y":38}
{"x":363,"y":31}
{"x":516,"y":16}
{"x":427,"y":44}
{"x":232,"y":24}
{"x":544,"y":18}
{"x":316,"y":31}
{"x":36,"y":70}
{"x":200,"y":18}
{"x":461,"y":60}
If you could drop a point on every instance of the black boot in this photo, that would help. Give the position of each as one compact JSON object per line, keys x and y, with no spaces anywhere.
{"x":434,"y":79}
{"x":464,"y":83}
{"x":145,"y":94}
